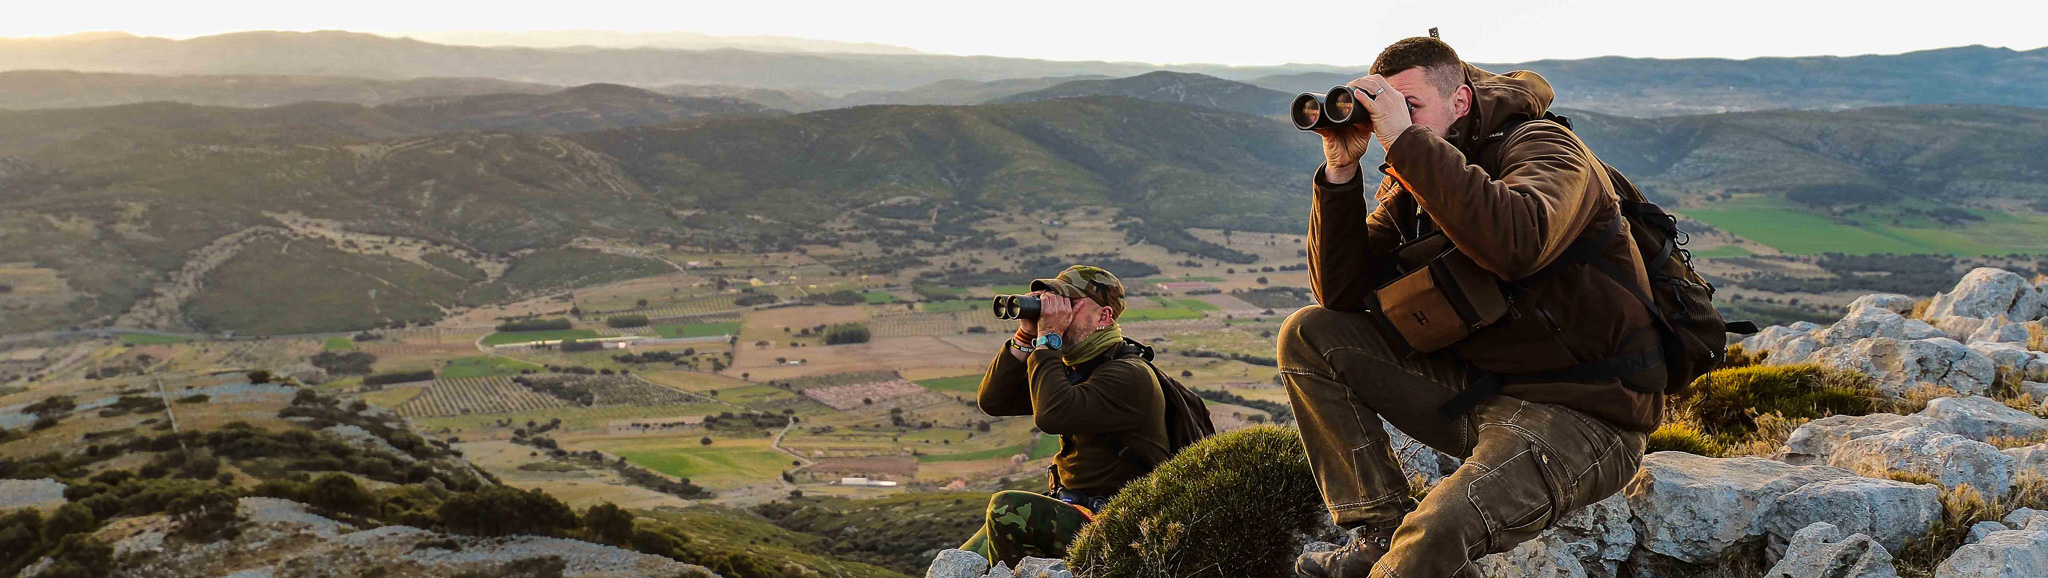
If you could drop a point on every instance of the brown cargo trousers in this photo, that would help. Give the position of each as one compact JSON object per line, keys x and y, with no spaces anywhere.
{"x":1527,"y":465}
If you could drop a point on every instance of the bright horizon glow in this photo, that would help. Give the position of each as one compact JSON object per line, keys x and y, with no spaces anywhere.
{"x":1151,"y":31}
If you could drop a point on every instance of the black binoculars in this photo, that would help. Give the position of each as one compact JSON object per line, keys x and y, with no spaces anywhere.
{"x":1311,"y":111}
{"x":1016,"y":307}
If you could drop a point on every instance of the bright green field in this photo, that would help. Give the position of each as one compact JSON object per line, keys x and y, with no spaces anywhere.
{"x":338,"y":344}
{"x":955,"y":384}
{"x":1791,"y":229}
{"x":723,"y":464}
{"x":1160,"y":314}
{"x":698,"y":329}
{"x":504,"y":337}
{"x":483,"y":365}
{"x":144,"y":339}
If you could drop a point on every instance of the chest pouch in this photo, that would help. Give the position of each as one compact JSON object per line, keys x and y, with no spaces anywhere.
{"x":1441,"y":297}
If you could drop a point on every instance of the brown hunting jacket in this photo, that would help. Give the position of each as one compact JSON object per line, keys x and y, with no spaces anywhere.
{"x":1513,"y":205}
{"x":1119,"y":398}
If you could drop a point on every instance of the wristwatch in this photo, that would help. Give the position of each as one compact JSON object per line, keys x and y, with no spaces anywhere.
{"x":1049,"y":341}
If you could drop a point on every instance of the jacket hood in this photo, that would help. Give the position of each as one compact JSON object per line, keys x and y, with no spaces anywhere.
{"x":1498,"y":97}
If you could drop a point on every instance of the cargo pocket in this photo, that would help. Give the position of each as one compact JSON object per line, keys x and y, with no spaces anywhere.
{"x":1515,"y":498}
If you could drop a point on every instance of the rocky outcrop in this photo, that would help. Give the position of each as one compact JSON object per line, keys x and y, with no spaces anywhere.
{"x":1981,"y":418}
{"x":1987,"y":292}
{"x":957,"y":564}
{"x":1693,"y":509}
{"x":2014,"y":553}
{"x":1592,"y":542}
{"x":1813,"y":442}
{"x":282,"y":539}
{"x":1821,"y":551}
{"x":1947,"y":458}
{"x":1891,"y":512}
{"x":1899,"y":365}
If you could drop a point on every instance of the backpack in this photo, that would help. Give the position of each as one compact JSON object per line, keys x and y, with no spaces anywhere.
{"x":1693,"y":335}
{"x":1187,"y":416}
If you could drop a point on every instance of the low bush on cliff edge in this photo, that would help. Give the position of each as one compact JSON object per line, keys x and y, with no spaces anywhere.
{"x":1231,"y":505}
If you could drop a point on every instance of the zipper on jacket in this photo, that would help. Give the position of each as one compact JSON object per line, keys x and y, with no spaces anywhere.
{"x":1551,"y":321}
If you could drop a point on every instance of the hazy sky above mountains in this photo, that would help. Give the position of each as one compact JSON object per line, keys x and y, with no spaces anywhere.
{"x":1150,"y":31}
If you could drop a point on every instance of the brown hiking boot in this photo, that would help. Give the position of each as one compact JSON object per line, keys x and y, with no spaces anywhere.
{"x":1353,"y":560}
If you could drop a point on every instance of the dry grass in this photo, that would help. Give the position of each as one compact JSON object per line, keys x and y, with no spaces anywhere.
{"x":1915,"y":398}
{"x":1772,"y":429}
{"x":1920,"y":308}
{"x":1963,"y":507}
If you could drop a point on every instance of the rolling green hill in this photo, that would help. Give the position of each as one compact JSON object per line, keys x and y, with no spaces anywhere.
{"x":1166,"y":86}
{"x":178,"y":205}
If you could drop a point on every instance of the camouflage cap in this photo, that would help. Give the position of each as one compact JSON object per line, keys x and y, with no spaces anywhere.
{"x":1084,"y":281}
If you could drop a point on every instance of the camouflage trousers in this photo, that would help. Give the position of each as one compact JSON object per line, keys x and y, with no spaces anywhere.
{"x":1526,"y":465}
{"x":1023,"y":524}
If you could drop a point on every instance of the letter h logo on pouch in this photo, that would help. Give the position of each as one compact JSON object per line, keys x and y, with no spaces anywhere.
{"x":1421,"y":318}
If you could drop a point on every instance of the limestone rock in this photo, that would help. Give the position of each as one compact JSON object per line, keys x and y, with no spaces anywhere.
{"x":1547,"y":556}
{"x":1043,"y":568}
{"x":1957,"y":327}
{"x":1814,"y":441}
{"x":2009,"y":554}
{"x":1899,"y":365}
{"x":1998,"y":330}
{"x":1416,"y":459}
{"x":1981,"y":418}
{"x":957,"y":564}
{"x":1692,"y":508}
{"x":1984,"y":529}
{"x":1948,"y":458}
{"x":2012,"y":356}
{"x":1987,"y":292}
{"x":1591,"y":542}
{"x":1000,"y":570}
{"x":1892,"y":302}
{"x":1820,"y":551}
{"x":1784,"y":343}
{"x":2020,"y":517}
{"x":1892,"y":512}
{"x":1874,"y":322}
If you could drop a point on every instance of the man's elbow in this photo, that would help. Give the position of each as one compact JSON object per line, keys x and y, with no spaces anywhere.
{"x":1051,"y":422}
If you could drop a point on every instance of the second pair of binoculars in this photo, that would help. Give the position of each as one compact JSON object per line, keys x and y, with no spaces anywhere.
{"x":1336,"y":108}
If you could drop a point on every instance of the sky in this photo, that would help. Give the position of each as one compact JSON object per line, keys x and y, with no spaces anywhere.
{"x":1240,"y":33}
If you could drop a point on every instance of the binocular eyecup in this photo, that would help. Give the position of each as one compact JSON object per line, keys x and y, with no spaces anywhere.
{"x":1016,"y":307}
{"x":1338,"y":107}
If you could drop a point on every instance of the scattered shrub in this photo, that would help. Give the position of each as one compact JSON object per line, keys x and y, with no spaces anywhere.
{"x":1679,"y":436}
{"x":1727,"y":401}
{"x":846,"y":333}
{"x":501,"y":511}
{"x":399,"y":377}
{"x":609,"y":523}
{"x":344,"y":363}
{"x":556,"y":324}
{"x":1229,"y":505}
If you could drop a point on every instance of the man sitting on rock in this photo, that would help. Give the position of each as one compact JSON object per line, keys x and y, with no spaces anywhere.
{"x":1069,"y":370}
{"x":1470,"y":157}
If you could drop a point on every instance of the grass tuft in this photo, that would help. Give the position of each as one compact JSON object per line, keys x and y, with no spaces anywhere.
{"x":1231,"y":505}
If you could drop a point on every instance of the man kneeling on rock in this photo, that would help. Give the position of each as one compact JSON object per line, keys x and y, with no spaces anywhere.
{"x":1072,"y":371}
{"x":1471,"y":159}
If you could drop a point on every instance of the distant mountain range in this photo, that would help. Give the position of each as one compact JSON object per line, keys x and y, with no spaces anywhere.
{"x":382,"y":69}
{"x":371,"y":56}
{"x":682,"y":40}
{"x":1166,"y":86}
{"x":1658,"y":87}
{"x":124,"y":201}
{"x":27,"y":89}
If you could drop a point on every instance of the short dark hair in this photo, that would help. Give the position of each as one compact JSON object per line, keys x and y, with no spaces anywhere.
{"x":1436,"y":59}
